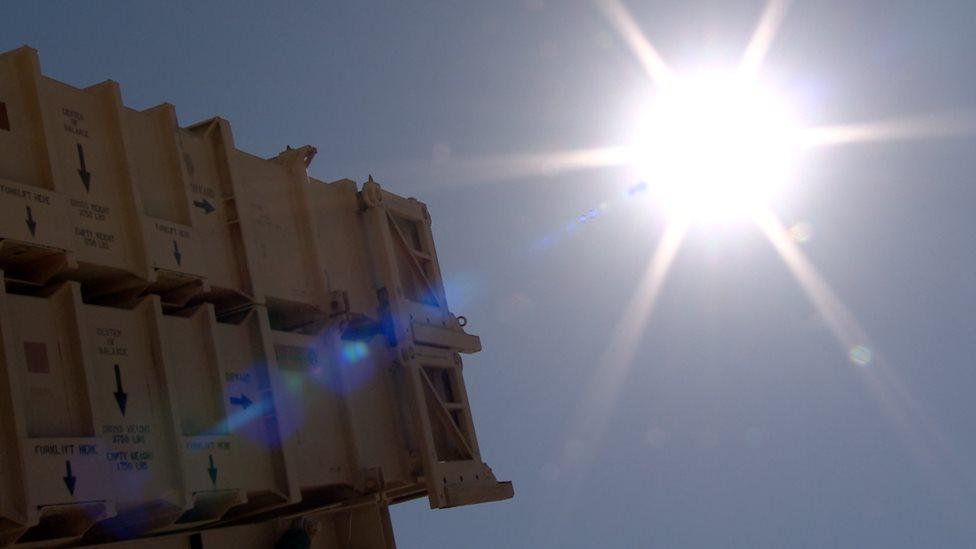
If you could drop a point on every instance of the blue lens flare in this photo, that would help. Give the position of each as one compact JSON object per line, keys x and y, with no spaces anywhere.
{"x":581,"y":220}
{"x":353,"y":351}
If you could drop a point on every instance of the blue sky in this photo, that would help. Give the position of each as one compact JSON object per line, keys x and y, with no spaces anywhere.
{"x":741,"y":421}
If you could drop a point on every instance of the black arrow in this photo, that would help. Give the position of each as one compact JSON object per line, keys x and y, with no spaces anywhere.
{"x":241,"y":401}
{"x":69,"y":479}
{"x":120,"y":396}
{"x":176,"y":252}
{"x":212,"y":471}
{"x":82,"y":170}
{"x":204,"y":205}
{"x":31,"y":224}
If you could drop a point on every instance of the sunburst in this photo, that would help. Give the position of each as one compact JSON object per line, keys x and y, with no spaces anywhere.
{"x":735,"y":179}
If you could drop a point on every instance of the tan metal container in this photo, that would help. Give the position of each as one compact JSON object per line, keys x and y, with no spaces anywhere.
{"x":193,"y":337}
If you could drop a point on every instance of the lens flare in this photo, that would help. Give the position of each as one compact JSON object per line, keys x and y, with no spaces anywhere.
{"x":353,"y":352}
{"x":860,"y":355}
{"x":802,"y":231}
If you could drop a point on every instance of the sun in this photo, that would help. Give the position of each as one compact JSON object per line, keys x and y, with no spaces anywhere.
{"x":715,"y":146}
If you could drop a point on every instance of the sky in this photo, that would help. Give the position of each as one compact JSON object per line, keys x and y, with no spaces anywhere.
{"x":736,"y":415}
